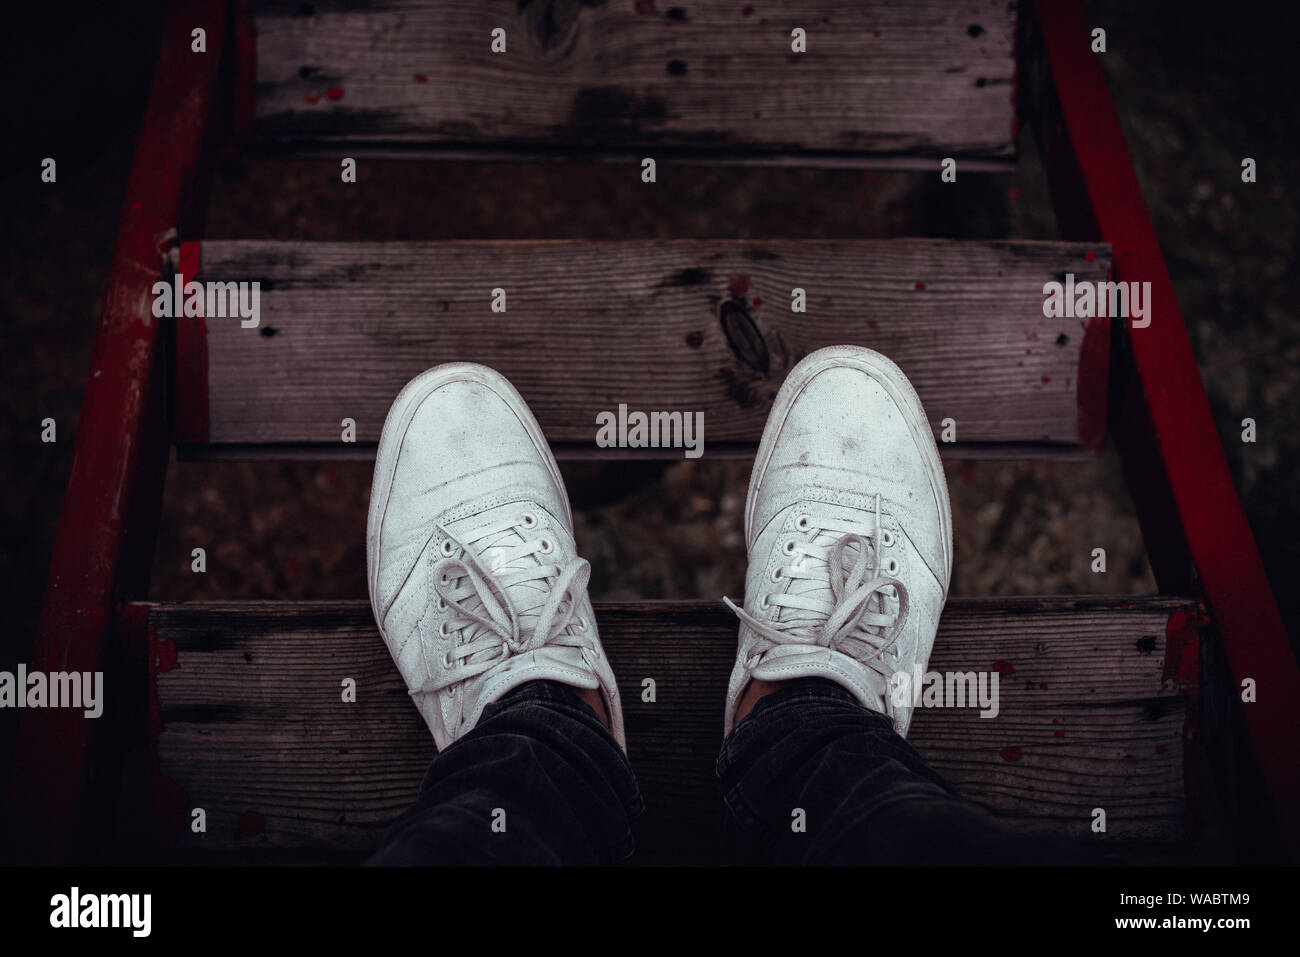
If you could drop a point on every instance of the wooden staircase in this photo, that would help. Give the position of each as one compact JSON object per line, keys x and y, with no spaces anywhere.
{"x":1099,"y":703}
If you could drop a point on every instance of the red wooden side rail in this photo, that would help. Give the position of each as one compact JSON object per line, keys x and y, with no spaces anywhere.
{"x":1191,"y":517}
{"x":104,"y":544}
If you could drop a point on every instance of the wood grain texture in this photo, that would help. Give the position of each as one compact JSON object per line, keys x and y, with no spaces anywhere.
{"x":252,"y":719}
{"x":903,"y":83}
{"x":678,"y":325}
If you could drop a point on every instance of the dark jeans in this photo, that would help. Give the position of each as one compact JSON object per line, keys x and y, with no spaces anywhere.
{"x":542,"y":767}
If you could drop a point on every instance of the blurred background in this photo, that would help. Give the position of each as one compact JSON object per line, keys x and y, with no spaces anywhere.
{"x":1198,"y":87}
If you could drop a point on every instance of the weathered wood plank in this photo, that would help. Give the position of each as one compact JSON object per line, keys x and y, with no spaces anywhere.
{"x":252,"y":718}
{"x":681,"y":325}
{"x":904,"y":84}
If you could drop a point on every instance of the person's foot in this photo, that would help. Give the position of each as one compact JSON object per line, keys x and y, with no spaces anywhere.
{"x":475,"y":580}
{"x":849,"y":533}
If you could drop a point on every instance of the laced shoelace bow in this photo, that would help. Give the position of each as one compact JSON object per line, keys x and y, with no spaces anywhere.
{"x":517,"y":603}
{"x":856,"y":619}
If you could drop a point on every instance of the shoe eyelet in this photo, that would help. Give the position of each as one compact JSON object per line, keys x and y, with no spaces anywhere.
{"x":442,"y":630}
{"x":891,"y":567}
{"x":442,"y":603}
{"x":546,"y":546}
{"x":529,"y":520}
{"x":802,"y":523}
{"x":776,"y":574}
{"x":763,"y":602}
{"x":886,"y":537}
{"x":446,"y":658}
{"x":580,"y":624}
{"x":444,"y":580}
{"x":448,"y":547}
{"x":789,"y":547}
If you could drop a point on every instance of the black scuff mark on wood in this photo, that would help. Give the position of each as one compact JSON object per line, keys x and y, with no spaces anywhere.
{"x":744,"y":337}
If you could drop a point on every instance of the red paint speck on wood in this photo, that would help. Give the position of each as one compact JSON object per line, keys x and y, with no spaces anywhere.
{"x":1004,"y":668}
{"x":1060,"y":734}
{"x":1010,"y":754}
{"x":312,"y":97}
{"x":1089,"y":255}
{"x":251,"y":823}
{"x":919,"y":285}
{"x":334,"y":93}
{"x":738,"y":285}
{"x":758,"y":301}
{"x":421,"y":78}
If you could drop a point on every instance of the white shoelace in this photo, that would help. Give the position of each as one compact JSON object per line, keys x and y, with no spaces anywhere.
{"x":506,"y":598}
{"x":853,"y":609}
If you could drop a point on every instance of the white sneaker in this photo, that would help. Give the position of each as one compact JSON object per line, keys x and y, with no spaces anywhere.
{"x":475,"y":580}
{"x":849,"y":533}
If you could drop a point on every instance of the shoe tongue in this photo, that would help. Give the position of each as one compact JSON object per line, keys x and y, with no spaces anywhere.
{"x":789,"y":662}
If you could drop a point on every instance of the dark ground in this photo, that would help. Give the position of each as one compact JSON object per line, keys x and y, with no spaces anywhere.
{"x":1198,"y":89}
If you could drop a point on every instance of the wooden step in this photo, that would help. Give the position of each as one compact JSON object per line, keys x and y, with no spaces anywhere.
{"x":679,"y":325}
{"x":882,"y":83}
{"x":254,"y":731}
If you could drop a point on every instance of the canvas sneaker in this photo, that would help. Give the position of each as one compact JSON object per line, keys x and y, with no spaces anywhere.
{"x":475,"y":581}
{"x":849,"y":534}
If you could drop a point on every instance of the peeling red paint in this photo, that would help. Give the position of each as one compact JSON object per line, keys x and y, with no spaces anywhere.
{"x":1182,"y":651}
{"x":164,"y":650}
